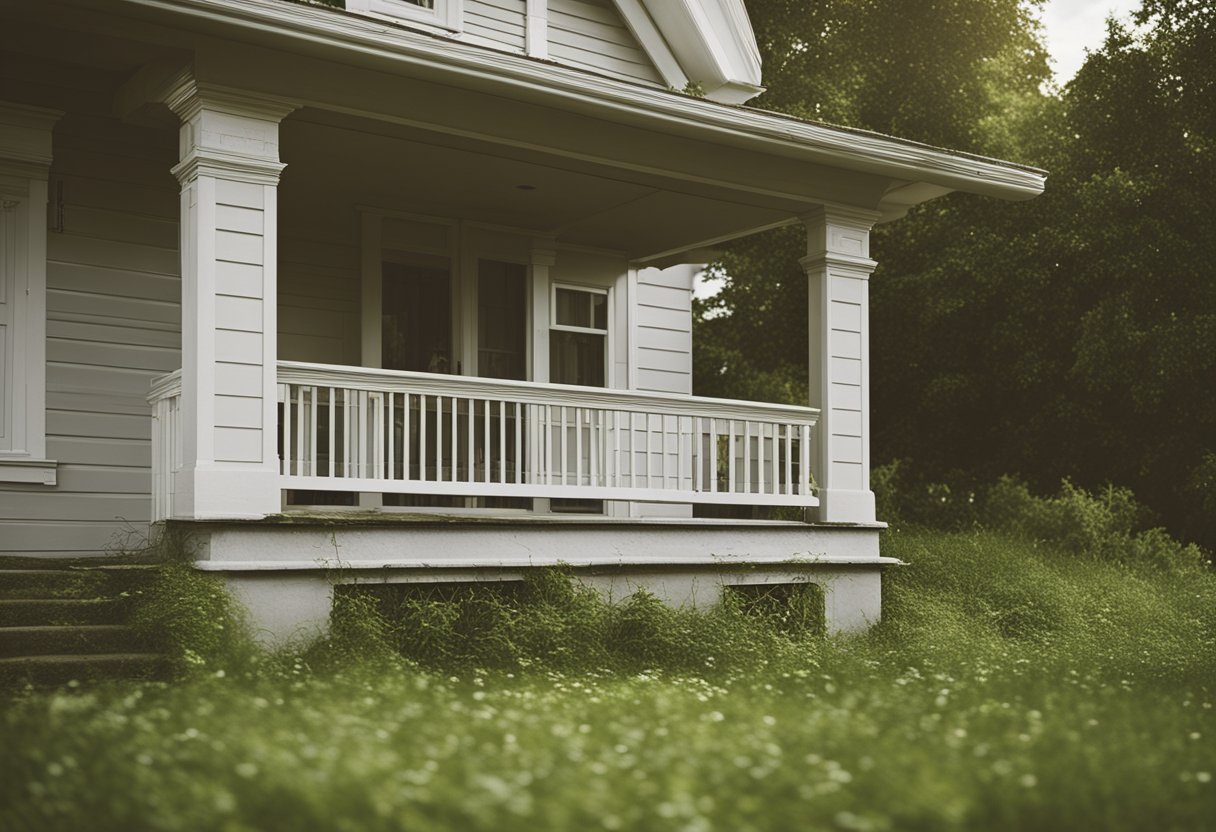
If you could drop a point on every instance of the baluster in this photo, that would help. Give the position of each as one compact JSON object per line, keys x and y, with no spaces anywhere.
{"x":405,"y":435}
{"x":616,"y":449}
{"x":548,"y":428}
{"x":347,"y":433}
{"x":519,"y":453}
{"x":776,"y":457}
{"x":312,"y":432}
{"x":760,"y":441}
{"x":565,"y":461}
{"x":422,"y":437}
{"x":789,"y":459}
{"x":301,"y":462}
{"x":455,"y":433}
{"x":470,"y":475}
{"x":747,"y":457}
{"x":730,"y":463}
{"x":392,"y":438}
{"x":487,"y":452}
{"x":287,"y":430}
{"x":804,"y":461}
{"x":597,"y":437}
{"x":578,"y":447}
{"x":696,"y":455}
{"x":502,"y":441}
{"x":332,"y":427}
{"x":438,"y":438}
{"x":713,"y":456}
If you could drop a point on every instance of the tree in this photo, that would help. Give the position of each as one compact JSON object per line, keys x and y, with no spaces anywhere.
{"x":1074,"y":335}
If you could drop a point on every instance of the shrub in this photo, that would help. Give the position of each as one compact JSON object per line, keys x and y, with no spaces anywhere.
{"x":190,"y":617}
{"x":1103,"y":525}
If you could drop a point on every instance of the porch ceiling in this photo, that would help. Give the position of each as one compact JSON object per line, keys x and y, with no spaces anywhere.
{"x":347,"y":160}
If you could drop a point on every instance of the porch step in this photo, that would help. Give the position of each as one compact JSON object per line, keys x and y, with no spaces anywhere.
{"x":52,"y":583}
{"x":81,"y":640}
{"x":57,"y":669}
{"x":36,"y":612}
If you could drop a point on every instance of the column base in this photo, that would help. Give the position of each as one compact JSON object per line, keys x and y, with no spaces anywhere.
{"x":837,"y":505}
{"x":215,"y":492}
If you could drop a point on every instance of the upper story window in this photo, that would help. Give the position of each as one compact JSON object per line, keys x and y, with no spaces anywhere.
{"x":443,"y":13}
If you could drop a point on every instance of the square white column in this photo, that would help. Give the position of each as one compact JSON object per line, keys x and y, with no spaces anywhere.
{"x":229,"y":174}
{"x":838,"y":268}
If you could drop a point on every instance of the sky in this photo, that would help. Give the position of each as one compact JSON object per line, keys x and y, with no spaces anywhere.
{"x":1071,"y":26}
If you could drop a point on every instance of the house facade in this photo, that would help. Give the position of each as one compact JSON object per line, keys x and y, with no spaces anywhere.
{"x":402,"y":291}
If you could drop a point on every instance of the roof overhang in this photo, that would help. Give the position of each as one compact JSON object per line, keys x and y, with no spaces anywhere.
{"x":312,"y":29}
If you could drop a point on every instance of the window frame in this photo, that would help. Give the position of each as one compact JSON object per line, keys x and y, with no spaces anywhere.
{"x":445,"y":14}
{"x":25,"y":157}
{"x":606,"y":332}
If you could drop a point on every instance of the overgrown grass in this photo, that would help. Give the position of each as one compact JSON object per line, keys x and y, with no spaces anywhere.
{"x":550,"y":621}
{"x":1015,"y":683}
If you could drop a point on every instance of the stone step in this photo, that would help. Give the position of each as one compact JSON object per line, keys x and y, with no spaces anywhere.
{"x":46,"y":671}
{"x":79,"y":639}
{"x":54,"y":583}
{"x":32,"y":612}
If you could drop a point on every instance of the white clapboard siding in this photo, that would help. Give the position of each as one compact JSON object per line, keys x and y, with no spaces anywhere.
{"x":319,"y":302}
{"x":502,"y":22}
{"x":113,"y":324}
{"x":590,"y":34}
{"x":663,"y":357}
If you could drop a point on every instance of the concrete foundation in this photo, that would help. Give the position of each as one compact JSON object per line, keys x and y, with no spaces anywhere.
{"x":284,"y":572}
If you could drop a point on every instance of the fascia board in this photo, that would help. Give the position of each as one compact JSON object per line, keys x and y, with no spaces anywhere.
{"x":405,"y":51}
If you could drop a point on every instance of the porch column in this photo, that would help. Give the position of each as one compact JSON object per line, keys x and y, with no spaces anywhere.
{"x":838,"y":268}
{"x":229,"y":174}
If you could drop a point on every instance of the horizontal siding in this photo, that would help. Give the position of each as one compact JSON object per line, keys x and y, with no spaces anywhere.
{"x":113,"y":324}
{"x":319,"y":296}
{"x":592,"y":35}
{"x":502,"y":22}
{"x":664,"y":330}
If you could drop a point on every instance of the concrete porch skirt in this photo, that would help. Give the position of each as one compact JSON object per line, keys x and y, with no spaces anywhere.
{"x":284,"y":569}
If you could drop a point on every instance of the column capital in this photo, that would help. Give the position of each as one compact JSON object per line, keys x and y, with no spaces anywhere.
{"x":841,"y":214}
{"x":187,"y":97}
{"x":542,"y":252}
{"x":847,"y":265}
{"x":25,"y":139}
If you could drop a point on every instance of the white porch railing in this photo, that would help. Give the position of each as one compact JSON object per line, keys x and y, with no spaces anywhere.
{"x":364,"y":430}
{"x":353,"y":429}
{"x":166,"y":401}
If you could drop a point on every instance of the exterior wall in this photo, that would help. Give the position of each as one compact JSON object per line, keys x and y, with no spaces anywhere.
{"x":662,"y":357}
{"x":664,"y":330}
{"x":319,"y":300}
{"x":590,"y":34}
{"x":113,"y":324}
{"x":500,"y":22}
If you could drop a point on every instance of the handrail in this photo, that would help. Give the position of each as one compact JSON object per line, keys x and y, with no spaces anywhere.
{"x":529,"y":392}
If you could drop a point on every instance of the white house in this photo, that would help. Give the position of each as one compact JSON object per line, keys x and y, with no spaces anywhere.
{"x":403,"y":288}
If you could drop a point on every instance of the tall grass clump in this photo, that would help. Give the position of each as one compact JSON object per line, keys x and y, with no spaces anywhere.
{"x":189,"y":615}
{"x":552,"y":621}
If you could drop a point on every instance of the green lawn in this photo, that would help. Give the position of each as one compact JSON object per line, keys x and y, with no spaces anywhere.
{"x":1011,"y":687}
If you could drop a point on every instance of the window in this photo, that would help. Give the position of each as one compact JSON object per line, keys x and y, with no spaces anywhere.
{"x":416,"y":317}
{"x":578,"y":336}
{"x":502,"y":320}
{"x":443,"y":13}
{"x":25,"y":151}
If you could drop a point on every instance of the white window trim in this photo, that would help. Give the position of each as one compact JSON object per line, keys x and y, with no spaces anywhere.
{"x":608,"y":333}
{"x":25,"y":157}
{"x":446,"y":14}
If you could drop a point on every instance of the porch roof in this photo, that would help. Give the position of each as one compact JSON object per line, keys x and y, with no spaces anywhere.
{"x":652,"y":173}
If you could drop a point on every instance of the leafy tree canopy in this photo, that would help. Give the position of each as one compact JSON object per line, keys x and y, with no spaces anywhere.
{"x":1073,"y":335}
